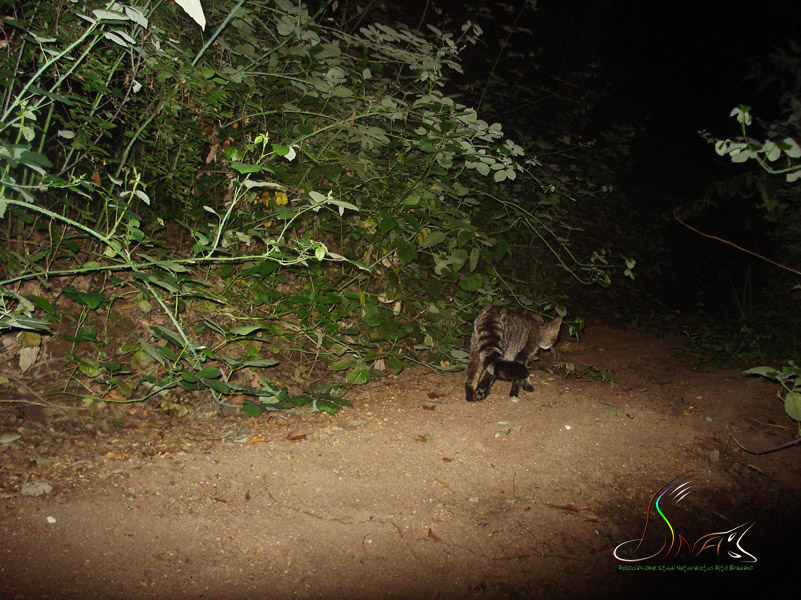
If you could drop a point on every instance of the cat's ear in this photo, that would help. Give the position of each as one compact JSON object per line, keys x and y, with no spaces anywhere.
{"x":557,"y":322}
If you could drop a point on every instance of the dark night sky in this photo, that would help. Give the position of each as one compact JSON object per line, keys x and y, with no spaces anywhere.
{"x":689,"y":58}
{"x":679,"y":58}
{"x":681,"y":63}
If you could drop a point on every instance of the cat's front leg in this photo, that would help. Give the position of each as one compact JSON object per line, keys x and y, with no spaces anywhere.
{"x":522,"y":357}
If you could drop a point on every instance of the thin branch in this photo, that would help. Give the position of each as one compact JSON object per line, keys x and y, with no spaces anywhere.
{"x":740,"y":248}
{"x":790,"y":444}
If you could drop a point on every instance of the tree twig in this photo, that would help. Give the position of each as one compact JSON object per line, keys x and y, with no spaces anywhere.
{"x":791,"y":443}
{"x":740,"y":248}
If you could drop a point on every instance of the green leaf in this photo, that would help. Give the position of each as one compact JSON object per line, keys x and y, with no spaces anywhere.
{"x":253,"y":409}
{"x":213,"y":326}
{"x":168,"y":353}
{"x":91,"y":299}
{"x":339,"y":401}
{"x":501,"y":249}
{"x":245,"y":329}
{"x":284,"y":213}
{"x":217,"y":385}
{"x":791,"y":369}
{"x":358,"y":375}
{"x":262,"y":269}
{"x":244,"y":169}
{"x":768,"y":372}
{"x":17,"y":321}
{"x":387,"y":224}
{"x":475,"y":254}
{"x":31,"y":158}
{"x":42,"y":303}
{"x":163,"y":281}
{"x":326,"y":406}
{"x":396,"y":362}
{"x":209,"y":373}
{"x":286,"y":25}
{"x":254,"y":363}
{"x":153,"y":353}
{"x":90,"y":368}
{"x":168,"y":335}
{"x":406,"y":252}
{"x":84,"y":335}
{"x":792,"y":404}
{"x":342,"y":364}
{"x":392,"y":330}
{"x":459,"y":257}
{"x":433,"y":238}
{"x":471,"y":282}
{"x":372,"y":315}
{"x":172,"y":266}
{"x":260,"y":362}
{"x":109,"y":15}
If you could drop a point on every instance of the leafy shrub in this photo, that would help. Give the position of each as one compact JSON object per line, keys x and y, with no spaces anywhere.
{"x":341,"y":206}
{"x":789,"y":378}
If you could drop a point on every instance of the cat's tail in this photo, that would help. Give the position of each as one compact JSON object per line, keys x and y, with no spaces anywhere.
{"x":509,"y":370}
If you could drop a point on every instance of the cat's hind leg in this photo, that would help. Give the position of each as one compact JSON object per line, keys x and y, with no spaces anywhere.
{"x":479,"y":377}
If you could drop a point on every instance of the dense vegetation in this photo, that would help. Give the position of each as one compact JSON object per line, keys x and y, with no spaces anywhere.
{"x":318,"y":185}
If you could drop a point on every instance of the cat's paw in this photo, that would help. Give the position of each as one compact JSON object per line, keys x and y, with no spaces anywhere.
{"x":474,"y":395}
{"x":527,"y":386}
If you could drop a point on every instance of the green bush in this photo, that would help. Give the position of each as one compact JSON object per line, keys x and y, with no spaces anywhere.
{"x":341,"y":206}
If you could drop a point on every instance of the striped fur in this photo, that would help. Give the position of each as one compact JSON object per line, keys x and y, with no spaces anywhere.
{"x":502,"y":343}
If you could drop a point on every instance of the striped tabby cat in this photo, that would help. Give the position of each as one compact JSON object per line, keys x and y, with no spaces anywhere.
{"x":503,"y":342}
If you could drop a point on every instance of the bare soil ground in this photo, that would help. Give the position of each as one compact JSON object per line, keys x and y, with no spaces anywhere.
{"x":412,"y":493}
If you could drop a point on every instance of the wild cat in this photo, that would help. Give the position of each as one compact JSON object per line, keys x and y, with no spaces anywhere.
{"x":502,"y":343}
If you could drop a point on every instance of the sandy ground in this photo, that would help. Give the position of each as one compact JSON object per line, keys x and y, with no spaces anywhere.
{"x":414,"y":493}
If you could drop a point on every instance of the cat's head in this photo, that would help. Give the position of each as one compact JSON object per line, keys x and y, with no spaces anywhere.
{"x":549,"y":333}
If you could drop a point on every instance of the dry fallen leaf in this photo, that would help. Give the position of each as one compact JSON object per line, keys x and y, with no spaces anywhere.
{"x":36,"y":488}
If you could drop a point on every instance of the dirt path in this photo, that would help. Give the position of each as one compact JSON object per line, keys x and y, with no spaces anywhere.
{"x":413,"y":493}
